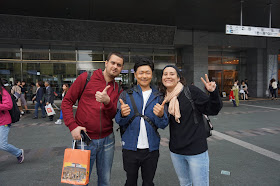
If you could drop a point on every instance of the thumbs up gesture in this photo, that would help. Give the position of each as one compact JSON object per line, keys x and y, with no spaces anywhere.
{"x":103,"y":97}
{"x":159,"y":109}
{"x":125,"y":109}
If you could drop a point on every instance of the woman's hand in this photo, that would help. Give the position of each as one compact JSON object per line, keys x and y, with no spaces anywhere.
{"x":210,"y":86}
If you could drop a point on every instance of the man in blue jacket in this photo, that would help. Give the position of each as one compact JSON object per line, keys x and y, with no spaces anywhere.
{"x":139,"y":121}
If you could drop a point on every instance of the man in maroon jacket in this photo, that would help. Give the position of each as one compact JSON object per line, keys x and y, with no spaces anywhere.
{"x":97,"y":107}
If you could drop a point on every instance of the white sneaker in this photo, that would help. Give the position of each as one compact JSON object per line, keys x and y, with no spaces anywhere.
{"x":22,"y":113}
{"x":58,"y":122}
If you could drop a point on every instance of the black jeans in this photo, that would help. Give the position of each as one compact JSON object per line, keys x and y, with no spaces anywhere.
{"x":133,"y":160}
{"x":274,"y":93}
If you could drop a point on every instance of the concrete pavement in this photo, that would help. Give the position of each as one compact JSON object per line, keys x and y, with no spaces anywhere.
{"x":256,"y":123}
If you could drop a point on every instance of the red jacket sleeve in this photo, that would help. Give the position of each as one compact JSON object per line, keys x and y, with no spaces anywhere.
{"x":70,"y":99}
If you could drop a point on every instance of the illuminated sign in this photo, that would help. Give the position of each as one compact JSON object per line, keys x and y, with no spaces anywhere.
{"x":252,"y":31}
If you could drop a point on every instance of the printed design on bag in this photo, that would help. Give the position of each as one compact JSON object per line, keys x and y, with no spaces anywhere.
{"x":49,"y":110}
{"x":74,"y":172}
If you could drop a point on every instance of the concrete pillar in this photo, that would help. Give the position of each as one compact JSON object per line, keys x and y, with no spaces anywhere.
{"x":255,"y":72}
{"x":195,"y":59}
{"x":271,"y":66}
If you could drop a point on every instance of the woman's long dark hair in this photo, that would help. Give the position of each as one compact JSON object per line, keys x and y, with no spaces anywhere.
{"x":66,"y":84}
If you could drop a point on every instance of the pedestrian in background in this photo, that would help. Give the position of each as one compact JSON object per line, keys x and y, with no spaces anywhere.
{"x":274,"y":88}
{"x":16,"y":90}
{"x":23,"y":97}
{"x":235,"y":90}
{"x":49,"y":96}
{"x":39,"y":100}
{"x":33,"y":90}
{"x":232,"y":98}
{"x":6,"y":104}
{"x":243,"y":90}
{"x":65,"y":88}
{"x":188,"y":140}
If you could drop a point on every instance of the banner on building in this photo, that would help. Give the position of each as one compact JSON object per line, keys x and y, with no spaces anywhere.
{"x":252,"y":31}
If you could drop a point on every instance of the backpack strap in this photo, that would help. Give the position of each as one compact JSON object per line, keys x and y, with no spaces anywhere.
{"x":187,"y":93}
{"x":136,"y":114}
{"x":87,"y":80}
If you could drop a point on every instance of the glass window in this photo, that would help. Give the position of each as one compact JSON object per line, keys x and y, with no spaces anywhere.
{"x":9,"y":53}
{"x":230,"y":60}
{"x":89,"y":55}
{"x":215,"y":60}
{"x":64,"y":55}
{"x":10,"y":71}
{"x":31,"y":54}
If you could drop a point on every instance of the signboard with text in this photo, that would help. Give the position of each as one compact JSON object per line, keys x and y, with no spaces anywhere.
{"x":252,"y":31}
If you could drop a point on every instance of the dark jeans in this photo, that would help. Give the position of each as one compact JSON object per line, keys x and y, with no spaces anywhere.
{"x":42,"y":106}
{"x":133,"y":160}
{"x":274,"y":93}
{"x":234,"y":103}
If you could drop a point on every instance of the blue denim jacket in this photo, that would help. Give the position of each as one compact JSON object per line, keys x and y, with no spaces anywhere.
{"x":130,"y":137}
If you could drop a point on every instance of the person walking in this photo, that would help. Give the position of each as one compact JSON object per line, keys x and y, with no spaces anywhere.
{"x":6,"y":104}
{"x":33,"y":90}
{"x":16,"y":91}
{"x":39,"y":100}
{"x":274,"y":88}
{"x":49,"y":96}
{"x":231,"y":98}
{"x":188,"y":143}
{"x":235,"y":90}
{"x":65,"y":88}
{"x":23,"y":97}
{"x":97,"y":107}
{"x":140,"y":141}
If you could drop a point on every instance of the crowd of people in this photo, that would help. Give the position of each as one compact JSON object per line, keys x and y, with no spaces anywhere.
{"x":239,"y":91}
{"x":41,"y":93}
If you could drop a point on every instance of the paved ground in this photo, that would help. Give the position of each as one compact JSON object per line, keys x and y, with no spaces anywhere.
{"x":245,"y":143}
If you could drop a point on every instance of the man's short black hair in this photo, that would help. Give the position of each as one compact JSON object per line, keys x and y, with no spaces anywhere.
{"x":143,"y":62}
{"x":116,"y":54}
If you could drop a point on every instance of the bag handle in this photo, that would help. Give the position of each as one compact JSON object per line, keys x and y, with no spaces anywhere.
{"x":82,"y":145}
{"x":188,"y":94}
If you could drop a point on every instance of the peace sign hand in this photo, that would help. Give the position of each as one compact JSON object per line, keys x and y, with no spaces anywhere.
{"x":210,"y":86}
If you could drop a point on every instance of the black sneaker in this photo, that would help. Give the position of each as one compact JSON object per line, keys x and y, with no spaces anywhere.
{"x":43,"y":116}
{"x":35,"y":117}
{"x":21,"y":157}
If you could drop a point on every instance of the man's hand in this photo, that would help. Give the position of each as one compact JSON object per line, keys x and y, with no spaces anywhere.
{"x":125,"y":109}
{"x":76,"y":133}
{"x":210,"y":86}
{"x":103,"y":97}
{"x":47,"y":103}
{"x":159,"y":109}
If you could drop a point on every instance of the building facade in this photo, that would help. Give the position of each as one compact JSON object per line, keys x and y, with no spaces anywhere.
{"x":58,"y":50}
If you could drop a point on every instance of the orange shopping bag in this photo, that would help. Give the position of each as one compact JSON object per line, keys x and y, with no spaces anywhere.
{"x":76,"y":164}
